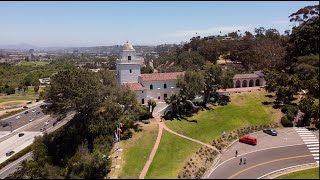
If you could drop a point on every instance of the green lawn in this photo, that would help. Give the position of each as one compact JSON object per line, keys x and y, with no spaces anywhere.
{"x":16,"y":97}
{"x":137,"y":150}
{"x":32,"y":63}
{"x":304,"y":174}
{"x":244,"y":109}
{"x":171,"y":156}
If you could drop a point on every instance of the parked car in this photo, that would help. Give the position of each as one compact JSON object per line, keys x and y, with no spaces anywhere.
{"x":31,"y":120}
{"x":26,"y":107}
{"x":62,"y":116}
{"x":38,"y":112}
{"x":18,"y":117}
{"x":21,"y":134}
{"x":248,"y":140}
{"x":54,"y":123}
{"x":33,"y":111}
{"x":270,"y":131}
{"x":46,"y":123}
{"x":26,"y":112}
{"x":29,"y":102}
{"x":9,"y":153}
{"x":42,"y":129}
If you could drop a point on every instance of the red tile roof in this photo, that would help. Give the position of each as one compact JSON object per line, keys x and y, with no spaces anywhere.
{"x":135,"y":86}
{"x":160,"y":76}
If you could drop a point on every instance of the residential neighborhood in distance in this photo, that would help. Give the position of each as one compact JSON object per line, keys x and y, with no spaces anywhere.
{"x":159,"y":90}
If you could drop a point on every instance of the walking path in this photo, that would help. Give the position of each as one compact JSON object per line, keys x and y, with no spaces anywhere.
{"x":154,"y":150}
{"x":156,"y":145}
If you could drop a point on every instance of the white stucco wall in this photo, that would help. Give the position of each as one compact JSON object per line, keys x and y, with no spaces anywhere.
{"x":158,"y":89}
{"x":124,"y":75}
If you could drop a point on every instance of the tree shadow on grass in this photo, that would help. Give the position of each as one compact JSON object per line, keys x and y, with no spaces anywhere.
{"x":269,"y":96}
{"x":137,"y":127}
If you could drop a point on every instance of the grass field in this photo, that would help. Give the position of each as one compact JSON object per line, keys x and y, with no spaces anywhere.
{"x":32,"y":63}
{"x":137,"y":150}
{"x":16,"y":97}
{"x":171,"y":156}
{"x":304,"y":174}
{"x":244,"y":109}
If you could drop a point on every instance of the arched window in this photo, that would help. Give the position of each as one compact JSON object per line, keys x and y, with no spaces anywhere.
{"x":237,"y":84}
{"x":257,"y":82}
{"x":251,"y":83}
{"x":244,"y":83}
{"x":151,"y":86}
{"x":165,"y":86}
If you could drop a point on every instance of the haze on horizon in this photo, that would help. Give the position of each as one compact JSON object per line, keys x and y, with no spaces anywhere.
{"x":48,"y":24}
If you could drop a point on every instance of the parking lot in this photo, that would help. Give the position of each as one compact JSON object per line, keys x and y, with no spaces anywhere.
{"x":286,"y":137}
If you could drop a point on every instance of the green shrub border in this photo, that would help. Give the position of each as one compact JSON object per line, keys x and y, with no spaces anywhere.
{"x":16,"y":156}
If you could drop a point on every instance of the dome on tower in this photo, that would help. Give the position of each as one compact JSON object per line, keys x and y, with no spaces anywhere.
{"x":127,"y":46}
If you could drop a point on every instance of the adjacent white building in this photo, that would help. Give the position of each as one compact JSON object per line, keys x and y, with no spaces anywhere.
{"x":156,"y":86}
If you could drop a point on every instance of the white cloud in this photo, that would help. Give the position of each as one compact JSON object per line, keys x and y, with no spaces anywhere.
{"x":212,"y":30}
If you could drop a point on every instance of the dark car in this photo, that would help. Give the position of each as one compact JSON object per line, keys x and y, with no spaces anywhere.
{"x":38,"y":112}
{"x":29,"y":102}
{"x":26,"y":112}
{"x":4,"y":123}
{"x":26,"y":107}
{"x":270,"y":131}
{"x":62,"y":116}
{"x":54,"y":123}
{"x":9,"y":153}
{"x":21,"y":134}
{"x":248,"y":139}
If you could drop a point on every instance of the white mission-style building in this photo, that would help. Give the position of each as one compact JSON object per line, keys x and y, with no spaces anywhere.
{"x":156,"y":86}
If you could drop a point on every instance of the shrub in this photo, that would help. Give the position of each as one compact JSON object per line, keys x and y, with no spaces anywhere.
{"x":168,"y":115}
{"x":286,"y":122}
{"x":290,"y":116}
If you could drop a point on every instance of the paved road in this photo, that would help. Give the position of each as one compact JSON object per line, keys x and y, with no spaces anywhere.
{"x":14,"y":165}
{"x":262,"y":162}
{"x":16,"y":143}
{"x":24,"y":118}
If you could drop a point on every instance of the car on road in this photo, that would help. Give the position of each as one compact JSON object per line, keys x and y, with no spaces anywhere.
{"x":270,"y":131}
{"x":26,"y":107}
{"x":21,"y":134}
{"x":31,"y":120}
{"x":62,"y":116}
{"x":42,"y":129}
{"x":248,"y":140}
{"x":4,"y":123}
{"x":26,"y":112}
{"x":18,"y":117}
{"x":29,"y":102}
{"x":9,"y":153}
{"x":54,"y":123}
{"x":33,"y":111}
{"x":46,"y":123}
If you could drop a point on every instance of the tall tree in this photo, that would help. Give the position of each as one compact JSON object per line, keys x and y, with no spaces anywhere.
{"x":191,"y":84}
{"x":212,"y":80}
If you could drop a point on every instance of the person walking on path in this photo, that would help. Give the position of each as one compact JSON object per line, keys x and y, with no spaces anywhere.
{"x":236,"y":153}
{"x":240,"y":161}
{"x":244,"y":160}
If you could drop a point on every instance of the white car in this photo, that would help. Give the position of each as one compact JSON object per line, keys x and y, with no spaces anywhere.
{"x":18,"y":117}
{"x":31,"y":120}
{"x":33,"y":111}
{"x":46,"y":123}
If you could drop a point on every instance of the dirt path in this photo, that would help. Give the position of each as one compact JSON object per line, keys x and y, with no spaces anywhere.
{"x":186,"y":137}
{"x":154,"y":150}
{"x":156,"y":145}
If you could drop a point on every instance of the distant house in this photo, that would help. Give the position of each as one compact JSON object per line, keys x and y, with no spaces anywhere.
{"x":44,"y":81}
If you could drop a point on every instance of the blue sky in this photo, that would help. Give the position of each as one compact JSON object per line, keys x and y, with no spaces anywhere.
{"x":145,"y":23}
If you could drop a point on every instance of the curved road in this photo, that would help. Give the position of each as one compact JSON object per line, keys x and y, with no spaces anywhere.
{"x":262,"y":162}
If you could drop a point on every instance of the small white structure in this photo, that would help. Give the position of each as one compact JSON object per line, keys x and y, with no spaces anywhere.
{"x":44,"y":81}
{"x":249,"y":80}
{"x":156,"y":86}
